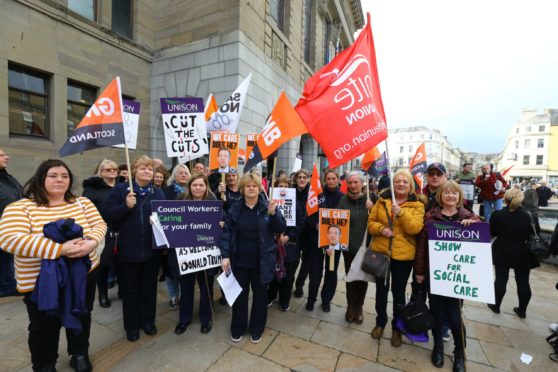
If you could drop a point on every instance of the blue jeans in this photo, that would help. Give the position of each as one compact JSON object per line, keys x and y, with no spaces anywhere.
{"x":491,"y":206}
{"x":7,"y":278}
{"x":172,"y":287}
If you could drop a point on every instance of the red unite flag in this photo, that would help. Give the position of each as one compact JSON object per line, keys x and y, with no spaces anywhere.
{"x":418,"y":165}
{"x":315,"y":193}
{"x":342,"y":105}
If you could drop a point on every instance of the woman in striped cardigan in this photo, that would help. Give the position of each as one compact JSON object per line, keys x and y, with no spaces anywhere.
{"x":48,"y":197}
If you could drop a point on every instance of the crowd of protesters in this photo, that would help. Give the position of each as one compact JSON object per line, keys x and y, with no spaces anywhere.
{"x":112,"y":240}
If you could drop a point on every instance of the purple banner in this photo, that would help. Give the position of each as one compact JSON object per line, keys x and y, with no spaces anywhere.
{"x":131,"y":107}
{"x":181,"y":105}
{"x":189,"y":223}
{"x":478,"y":232}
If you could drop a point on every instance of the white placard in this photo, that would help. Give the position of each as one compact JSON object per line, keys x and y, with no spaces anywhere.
{"x":192,"y":259}
{"x":130,"y":119}
{"x":285,"y":200}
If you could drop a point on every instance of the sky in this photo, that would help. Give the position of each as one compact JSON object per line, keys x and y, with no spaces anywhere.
{"x":468,"y":68}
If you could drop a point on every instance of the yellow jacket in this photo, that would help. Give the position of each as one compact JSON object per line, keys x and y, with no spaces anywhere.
{"x":407,"y":225}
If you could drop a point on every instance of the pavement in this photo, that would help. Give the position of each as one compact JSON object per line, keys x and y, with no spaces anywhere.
{"x":299,"y":340}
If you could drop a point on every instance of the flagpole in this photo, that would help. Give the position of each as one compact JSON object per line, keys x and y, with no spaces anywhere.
{"x":389,"y":171}
{"x":128,"y":165}
{"x":273,"y":177}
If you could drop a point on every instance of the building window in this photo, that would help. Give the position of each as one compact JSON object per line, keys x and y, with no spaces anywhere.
{"x":539,"y":159}
{"x":401,"y":162}
{"x":525,"y":159}
{"x":528,"y":129}
{"x":516,"y":144}
{"x":422,"y":136}
{"x":85,"y":8}
{"x":28,"y":102}
{"x":527,"y":143}
{"x":122,"y":17}
{"x":80,"y":98}
{"x":277,"y":11}
{"x":541,"y":128}
{"x":516,"y":130}
{"x":401,"y":149}
{"x":411,"y":148}
{"x":540,"y":143}
{"x":307,"y":29}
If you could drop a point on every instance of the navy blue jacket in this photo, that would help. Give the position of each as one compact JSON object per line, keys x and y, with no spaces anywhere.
{"x":133,"y":227}
{"x":267,"y":227}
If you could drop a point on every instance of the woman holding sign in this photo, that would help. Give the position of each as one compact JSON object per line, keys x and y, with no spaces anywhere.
{"x":394,"y":225}
{"x":248,"y":249}
{"x":197,"y":189}
{"x":449,"y":207}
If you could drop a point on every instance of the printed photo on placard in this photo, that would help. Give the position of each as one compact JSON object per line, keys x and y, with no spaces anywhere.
{"x":223,"y":152}
{"x":285,"y":200}
{"x":334,"y":228}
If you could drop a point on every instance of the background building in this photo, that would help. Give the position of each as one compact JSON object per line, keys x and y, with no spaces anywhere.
{"x":532,"y":147}
{"x":55,"y":55}
{"x":403,"y":144}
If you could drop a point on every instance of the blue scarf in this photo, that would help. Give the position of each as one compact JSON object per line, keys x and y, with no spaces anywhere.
{"x":141,"y":191}
{"x":177,"y":188}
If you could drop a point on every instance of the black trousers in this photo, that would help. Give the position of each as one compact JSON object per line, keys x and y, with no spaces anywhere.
{"x":522,"y":283}
{"x":283,"y":287}
{"x":137,"y":283}
{"x":187,"y":283}
{"x":304,"y":268}
{"x":102,"y":279}
{"x":400,"y":272}
{"x":356,"y":291}
{"x":249,"y":278}
{"x":44,"y":330}
{"x":316,"y":259}
{"x":447,"y":309}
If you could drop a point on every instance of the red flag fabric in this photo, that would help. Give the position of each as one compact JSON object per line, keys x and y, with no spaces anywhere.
{"x":418,"y":165}
{"x":344,"y":187}
{"x":315,"y":193}
{"x":342,"y":105}
{"x":102,"y":125}
{"x":370,"y":157}
{"x":283,"y":124}
{"x":507,"y":170}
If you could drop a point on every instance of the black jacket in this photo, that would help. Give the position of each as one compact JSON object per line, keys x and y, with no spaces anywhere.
{"x":10,"y":190}
{"x":132,"y":225}
{"x":511,"y":230}
{"x":267,"y":227}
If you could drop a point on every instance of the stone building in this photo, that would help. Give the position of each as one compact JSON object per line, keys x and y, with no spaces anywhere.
{"x":56,"y":55}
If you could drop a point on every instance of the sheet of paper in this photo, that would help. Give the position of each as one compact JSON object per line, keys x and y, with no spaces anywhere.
{"x":158,"y":232}
{"x":230,"y":287}
{"x":526,"y":358}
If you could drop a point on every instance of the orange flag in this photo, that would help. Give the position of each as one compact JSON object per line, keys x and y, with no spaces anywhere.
{"x":102,"y":125}
{"x":370,"y":157}
{"x":418,"y":165}
{"x":283,"y":124}
{"x":210,"y":107}
{"x":315,"y":193}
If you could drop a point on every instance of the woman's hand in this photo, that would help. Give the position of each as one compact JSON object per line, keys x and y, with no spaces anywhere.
{"x":226,"y":265}
{"x":386,"y":231}
{"x":77,"y":248}
{"x":420,"y":278}
{"x":369,"y":204}
{"x":284,"y":239}
{"x":221,"y":187}
{"x":222,"y":224}
{"x":329,"y":252}
{"x":395,"y":208}
{"x":131,"y":200}
{"x":271,"y":208}
{"x":467,"y":222}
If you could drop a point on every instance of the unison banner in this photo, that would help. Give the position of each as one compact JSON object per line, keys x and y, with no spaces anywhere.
{"x":192,"y":228}
{"x":460,"y":260}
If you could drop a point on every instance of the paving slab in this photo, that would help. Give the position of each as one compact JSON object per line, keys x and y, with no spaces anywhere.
{"x":240,"y":360}
{"x":347,"y":340}
{"x":351,"y":363}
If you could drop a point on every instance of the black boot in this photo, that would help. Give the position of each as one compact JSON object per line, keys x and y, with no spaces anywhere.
{"x":104,"y":301}
{"x":438,"y":353}
{"x":81,"y":363}
{"x":49,"y":368}
{"x":458,"y":361}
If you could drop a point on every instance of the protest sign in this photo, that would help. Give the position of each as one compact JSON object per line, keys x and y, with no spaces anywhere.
{"x":182,"y":121}
{"x":333,"y":230}
{"x":468,"y":187}
{"x":223,"y":152}
{"x":192,"y":228}
{"x":285,"y":200}
{"x":130,"y":119}
{"x":251,"y":140}
{"x":460,"y":260}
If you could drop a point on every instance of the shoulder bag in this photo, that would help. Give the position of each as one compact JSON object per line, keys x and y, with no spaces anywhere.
{"x":537,"y":246}
{"x":377,"y":263}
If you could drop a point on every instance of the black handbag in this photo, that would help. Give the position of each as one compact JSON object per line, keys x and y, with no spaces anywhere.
{"x":377,"y":263}
{"x":415,"y":314}
{"x":537,"y":247}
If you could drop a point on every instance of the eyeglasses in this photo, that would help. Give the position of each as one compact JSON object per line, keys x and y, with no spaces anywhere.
{"x":435,"y":174}
{"x":110,"y":169}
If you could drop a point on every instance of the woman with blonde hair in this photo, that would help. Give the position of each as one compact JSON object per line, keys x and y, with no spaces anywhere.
{"x":511,"y":227}
{"x":394,"y":225}
{"x":448,"y":207}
